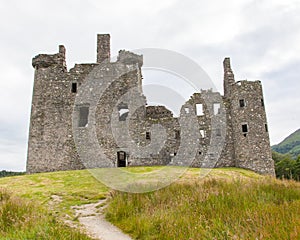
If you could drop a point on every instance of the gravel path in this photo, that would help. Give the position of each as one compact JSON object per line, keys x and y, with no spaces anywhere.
{"x":92,"y":218}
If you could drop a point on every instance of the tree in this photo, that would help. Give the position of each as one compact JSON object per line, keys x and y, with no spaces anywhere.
{"x":286,"y":167}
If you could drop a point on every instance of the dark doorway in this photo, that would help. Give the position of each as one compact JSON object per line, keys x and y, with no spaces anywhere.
{"x":121,"y":159}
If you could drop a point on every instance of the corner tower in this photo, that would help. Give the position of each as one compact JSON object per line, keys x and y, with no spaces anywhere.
{"x":249,"y":123}
{"x":50,"y":144}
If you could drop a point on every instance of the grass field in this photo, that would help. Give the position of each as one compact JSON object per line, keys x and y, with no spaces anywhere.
{"x":227,"y":204}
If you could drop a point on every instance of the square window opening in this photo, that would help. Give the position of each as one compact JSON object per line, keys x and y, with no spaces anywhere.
{"x":177,"y":134}
{"x":74,"y":88}
{"x":242,"y":103}
{"x":199,"y":109}
{"x":202,"y":133}
{"x":123,"y":111}
{"x":83,"y":116}
{"x":217,"y":108}
{"x":148,"y":135}
{"x":245,"y":128}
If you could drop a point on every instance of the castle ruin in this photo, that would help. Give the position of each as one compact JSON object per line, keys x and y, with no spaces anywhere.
{"x":62,"y":119}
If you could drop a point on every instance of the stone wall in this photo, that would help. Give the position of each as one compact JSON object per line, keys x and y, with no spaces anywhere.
{"x":51,"y":146}
{"x":87,"y":116}
{"x":250,"y":129}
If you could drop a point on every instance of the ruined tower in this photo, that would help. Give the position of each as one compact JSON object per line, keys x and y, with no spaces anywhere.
{"x":63,"y":114}
{"x":249,"y":123}
{"x":51,"y":145}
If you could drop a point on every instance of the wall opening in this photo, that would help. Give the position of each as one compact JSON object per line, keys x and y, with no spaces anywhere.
{"x":217,"y":108}
{"x":266,"y":127}
{"x":218,"y":132}
{"x":148,"y":135}
{"x":121,"y":159}
{"x":186,"y":110}
{"x":202,"y":133}
{"x":177,"y":134}
{"x":199,"y":109}
{"x":262,"y":102}
{"x":245,"y":128}
{"x":123,"y":111}
{"x":74,"y":88}
{"x":83,"y":116}
{"x":242,"y":103}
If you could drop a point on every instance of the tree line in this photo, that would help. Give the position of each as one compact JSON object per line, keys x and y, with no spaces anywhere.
{"x":286,"y":167}
{"x":5,"y":173}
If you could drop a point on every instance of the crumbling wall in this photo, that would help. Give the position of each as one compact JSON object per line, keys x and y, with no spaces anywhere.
{"x":212,"y":130}
{"x":156,"y":135}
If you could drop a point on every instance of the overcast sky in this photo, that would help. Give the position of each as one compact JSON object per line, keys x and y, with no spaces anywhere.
{"x":261,"y":36}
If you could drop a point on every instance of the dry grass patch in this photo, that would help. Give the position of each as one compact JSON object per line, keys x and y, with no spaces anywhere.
{"x":214,"y":208}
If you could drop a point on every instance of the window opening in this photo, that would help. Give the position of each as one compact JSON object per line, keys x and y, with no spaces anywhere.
{"x":83,"y":116}
{"x":242,"y":103}
{"x":199,"y":109}
{"x":74,"y":88}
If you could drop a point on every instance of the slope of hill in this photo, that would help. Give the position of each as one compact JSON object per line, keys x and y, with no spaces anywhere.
{"x":36,"y":206}
{"x":227,"y":204}
{"x":290,"y":145}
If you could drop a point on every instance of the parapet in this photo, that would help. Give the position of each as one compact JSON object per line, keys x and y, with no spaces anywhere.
{"x":47,"y":60}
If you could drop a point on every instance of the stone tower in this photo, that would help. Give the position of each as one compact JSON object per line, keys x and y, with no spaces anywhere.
{"x":249,"y":123}
{"x":51,"y":145}
{"x":63,"y":114}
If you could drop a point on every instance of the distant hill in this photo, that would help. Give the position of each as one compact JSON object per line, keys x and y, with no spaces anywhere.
{"x":290,"y":145}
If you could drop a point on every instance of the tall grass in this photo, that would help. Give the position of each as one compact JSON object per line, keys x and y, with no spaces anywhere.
{"x":21,"y":219}
{"x":211,"y":209}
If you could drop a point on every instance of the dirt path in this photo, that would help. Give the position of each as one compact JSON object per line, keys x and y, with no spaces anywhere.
{"x":92,"y":218}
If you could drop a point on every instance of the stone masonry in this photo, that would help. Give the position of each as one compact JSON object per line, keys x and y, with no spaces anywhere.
{"x":69,"y":130}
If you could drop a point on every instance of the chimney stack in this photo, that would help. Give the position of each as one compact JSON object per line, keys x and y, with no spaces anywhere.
{"x":103,"y":48}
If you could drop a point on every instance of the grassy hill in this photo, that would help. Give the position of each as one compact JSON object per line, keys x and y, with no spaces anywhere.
{"x":227,"y":204}
{"x":290,"y":145}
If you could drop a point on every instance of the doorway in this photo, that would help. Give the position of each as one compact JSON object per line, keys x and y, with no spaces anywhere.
{"x":121,"y":159}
